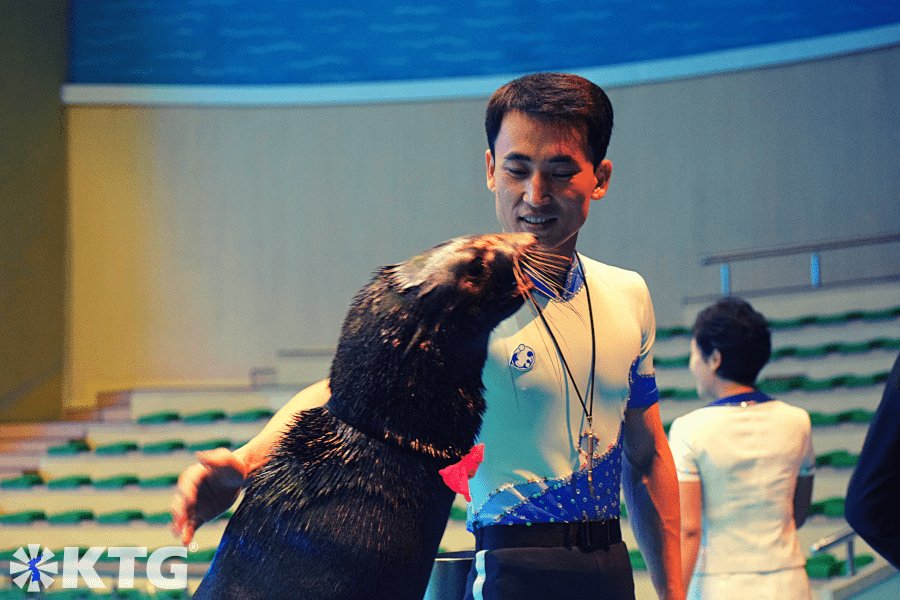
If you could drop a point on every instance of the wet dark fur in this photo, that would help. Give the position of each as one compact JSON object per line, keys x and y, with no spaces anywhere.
{"x":344,"y":509}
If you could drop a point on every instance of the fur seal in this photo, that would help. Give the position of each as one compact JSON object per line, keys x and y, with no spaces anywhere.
{"x":350,"y":504}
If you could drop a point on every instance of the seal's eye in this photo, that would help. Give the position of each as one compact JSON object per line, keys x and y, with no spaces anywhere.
{"x":475,"y":267}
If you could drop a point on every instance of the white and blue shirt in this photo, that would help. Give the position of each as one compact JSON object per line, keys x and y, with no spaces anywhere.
{"x":533,"y":470}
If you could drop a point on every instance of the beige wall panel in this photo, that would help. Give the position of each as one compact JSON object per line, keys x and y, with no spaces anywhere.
{"x":203,"y":240}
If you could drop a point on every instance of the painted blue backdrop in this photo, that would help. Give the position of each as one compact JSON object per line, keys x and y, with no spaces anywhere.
{"x":234,"y":42}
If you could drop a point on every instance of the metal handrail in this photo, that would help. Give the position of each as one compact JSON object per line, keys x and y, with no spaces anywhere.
{"x":844,"y":536}
{"x":812,"y":248}
{"x":715,"y":259}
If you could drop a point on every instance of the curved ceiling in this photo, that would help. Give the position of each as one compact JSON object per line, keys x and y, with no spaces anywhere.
{"x":278,"y":43}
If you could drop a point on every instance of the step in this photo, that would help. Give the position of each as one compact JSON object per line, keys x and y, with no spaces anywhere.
{"x":17,"y":462}
{"x":187,"y":401}
{"x":51,"y":430}
{"x":99,"y":434}
{"x":873,"y":296}
{"x":116,"y":414}
{"x":91,"y":533}
{"x":100,"y":501}
{"x":101,"y":467}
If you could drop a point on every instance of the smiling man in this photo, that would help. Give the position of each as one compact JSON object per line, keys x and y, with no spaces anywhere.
{"x":565,"y":428}
{"x":572,"y":411}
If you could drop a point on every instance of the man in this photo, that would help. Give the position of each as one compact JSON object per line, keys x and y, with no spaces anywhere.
{"x":744,"y":466}
{"x":874,"y":488}
{"x":544,"y":504}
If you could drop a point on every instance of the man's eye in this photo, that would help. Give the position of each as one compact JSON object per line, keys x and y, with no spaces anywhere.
{"x":517,"y":172}
{"x":564,"y":175}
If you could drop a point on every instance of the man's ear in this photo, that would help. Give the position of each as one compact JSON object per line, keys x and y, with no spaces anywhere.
{"x":602,"y":172}
{"x":715,"y":359}
{"x":489,"y":169}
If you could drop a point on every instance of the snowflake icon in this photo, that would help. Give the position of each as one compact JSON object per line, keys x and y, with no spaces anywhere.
{"x":33,"y":568}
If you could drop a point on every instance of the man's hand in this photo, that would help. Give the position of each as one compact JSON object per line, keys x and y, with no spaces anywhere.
{"x":205,"y":490}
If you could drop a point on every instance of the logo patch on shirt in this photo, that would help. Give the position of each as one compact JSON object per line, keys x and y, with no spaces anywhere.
{"x":522,"y":358}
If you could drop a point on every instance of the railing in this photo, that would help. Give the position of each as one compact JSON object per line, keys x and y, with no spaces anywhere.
{"x":813,"y":249}
{"x":844,"y":536}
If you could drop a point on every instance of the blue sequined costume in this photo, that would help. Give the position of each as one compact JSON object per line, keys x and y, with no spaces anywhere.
{"x":535,"y":430}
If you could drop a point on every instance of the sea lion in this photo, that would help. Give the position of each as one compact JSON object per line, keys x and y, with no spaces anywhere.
{"x":350,"y":504}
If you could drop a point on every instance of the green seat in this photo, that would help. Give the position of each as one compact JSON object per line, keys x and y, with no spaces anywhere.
{"x":69,"y":448}
{"x":823,"y":460}
{"x":120,"y":517}
{"x":116,"y":449}
{"x":22,"y":517}
{"x":881,"y":315}
{"x":853,"y":381}
{"x":664,"y":333}
{"x":70,"y":517}
{"x":811,"y":352}
{"x":159,"y":482}
{"x":852,"y":315}
{"x":779,"y":353}
{"x":171,"y":595}
{"x":210,"y":444}
{"x":835,"y":319}
{"x":781,"y":385}
{"x":822,"y":566}
{"x":839,"y":459}
{"x":160,"y":518}
{"x":678,"y":393}
{"x":7,"y":554}
{"x":853,"y":347}
{"x":817,"y":385}
{"x":860,"y":561}
{"x":672,"y":362}
{"x":201,"y":556}
{"x":119,"y":481}
{"x":254,"y":414}
{"x":24,"y":481}
{"x":637,"y":560}
{"x":457,"y":513}
{"x":822,"y":419}
{"x":163,"y":447}
{"x":888,"y":343}
{"x":207,"y":416}
{"x":69,"y":482}
{"x":817,"y":508}
{"x":833,"y":508}
{"x":157,"y":418}
{"x":792,"y":323}
{"x":857,"y":415}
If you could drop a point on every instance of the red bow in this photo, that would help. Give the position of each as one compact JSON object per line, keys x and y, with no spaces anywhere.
{"x":457,"y":475}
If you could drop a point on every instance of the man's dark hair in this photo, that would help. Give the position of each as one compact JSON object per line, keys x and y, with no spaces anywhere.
{"x":559,"y":98}
{"x":739,"y":333}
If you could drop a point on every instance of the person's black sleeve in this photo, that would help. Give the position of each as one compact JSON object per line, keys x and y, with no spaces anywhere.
{"x":873,"y":496}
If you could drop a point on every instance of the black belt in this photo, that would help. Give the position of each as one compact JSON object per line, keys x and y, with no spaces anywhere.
{"x":585,"y":535}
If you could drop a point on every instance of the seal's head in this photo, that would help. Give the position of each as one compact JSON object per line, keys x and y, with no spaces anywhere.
{"x":474,"y":279}
{"x":415,"y":340}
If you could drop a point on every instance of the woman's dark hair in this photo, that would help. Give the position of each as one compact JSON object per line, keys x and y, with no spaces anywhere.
{"x":739,"y":333}
{"x":568,"y":100}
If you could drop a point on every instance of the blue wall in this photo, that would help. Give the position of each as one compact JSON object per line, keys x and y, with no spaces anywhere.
{"x":230,"y":42}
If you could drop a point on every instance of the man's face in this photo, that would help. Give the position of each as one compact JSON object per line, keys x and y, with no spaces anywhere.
{"x":543,"y":180}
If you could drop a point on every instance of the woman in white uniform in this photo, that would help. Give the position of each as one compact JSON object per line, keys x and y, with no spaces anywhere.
{"x":744,"y":466}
